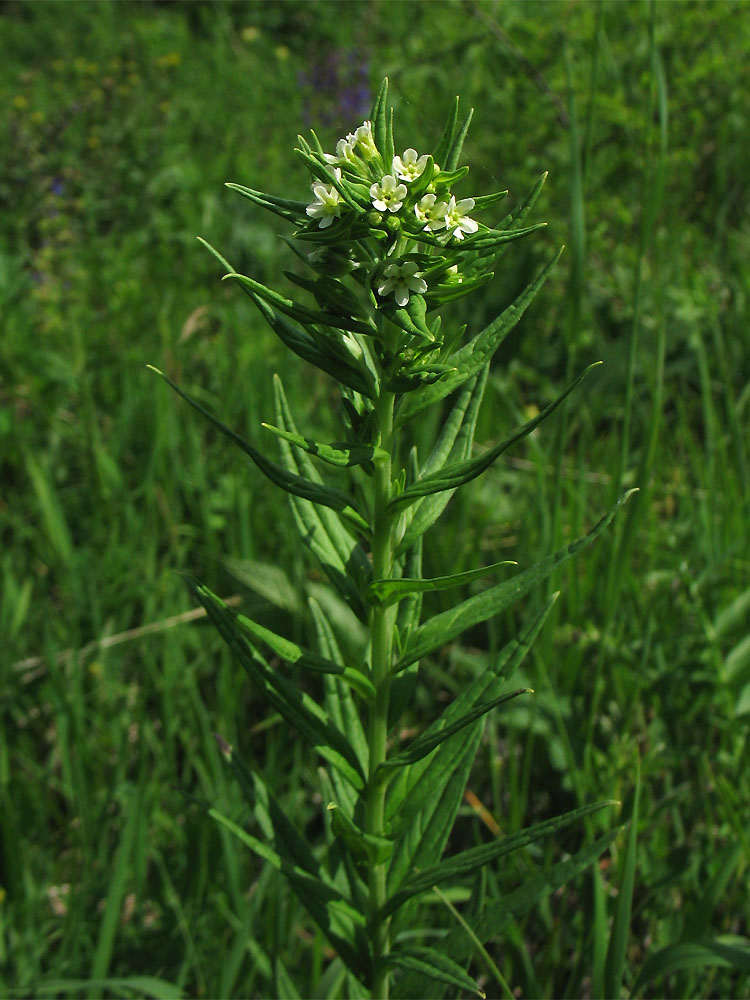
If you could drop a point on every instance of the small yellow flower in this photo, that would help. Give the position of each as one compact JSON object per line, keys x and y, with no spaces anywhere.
{"x":250,"y":33}
{"x":281,"y":52}
{"x":20,"y":102}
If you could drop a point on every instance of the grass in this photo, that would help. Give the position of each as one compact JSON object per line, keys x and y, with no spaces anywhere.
{"x":113,"y":161}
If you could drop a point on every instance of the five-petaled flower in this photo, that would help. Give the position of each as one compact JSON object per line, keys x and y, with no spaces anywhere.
{"x":409,"y":166}
{"x":388,"y":195}
{"x":327,"y":204}
{"x":402,"y":279}
{"x":431,"y":212}
{"x":457,"y":219}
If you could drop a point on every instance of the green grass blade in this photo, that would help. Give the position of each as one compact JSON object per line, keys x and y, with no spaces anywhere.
{"x":614,"y":968}
{"x":729,"y":951}
{"x":121,"y":874}
{"x":139,"y":986}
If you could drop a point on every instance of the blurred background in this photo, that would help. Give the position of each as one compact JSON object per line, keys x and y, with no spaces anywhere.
{"x":119,"y":124}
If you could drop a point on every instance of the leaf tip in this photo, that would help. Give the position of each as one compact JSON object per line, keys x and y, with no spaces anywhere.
{"x":153,"y":368}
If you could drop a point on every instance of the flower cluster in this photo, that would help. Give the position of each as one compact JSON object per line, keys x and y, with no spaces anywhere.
{"x":406,"y":199}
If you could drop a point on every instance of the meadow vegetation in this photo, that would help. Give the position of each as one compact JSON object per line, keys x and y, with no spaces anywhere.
{"x":119,"y":125}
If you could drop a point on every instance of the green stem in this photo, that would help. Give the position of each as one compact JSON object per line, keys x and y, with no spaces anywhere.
{"x":381,"y":625}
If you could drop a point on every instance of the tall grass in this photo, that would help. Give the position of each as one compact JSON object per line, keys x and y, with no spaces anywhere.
{"x":109,"y":869}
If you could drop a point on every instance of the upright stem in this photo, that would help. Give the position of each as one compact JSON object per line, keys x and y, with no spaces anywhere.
{"x":381,"y":625}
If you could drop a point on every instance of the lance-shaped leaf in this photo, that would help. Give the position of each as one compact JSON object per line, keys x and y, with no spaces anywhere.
{"x":302,"y":343}
{"x":440,"y":154}
{"x":297,"y":707}
{"x":326,"y":904}
{"x":449,"y":624}
{"x":363,"y":846}
{"x":298,"y":312}
{"x":483,"y":201}
{"x":387,"y":592}
{"x":425,"y":743}
{"x":489,"y":922}
{"x":292,"y":211}
{"x":440,"y":293}
{"x":432,"y":964}
{"x":488,"y":239}
{"x":339,"y":702}
{"x":413,"y":795}
{"x":298,"y":655}
{"x":319,"y":527}
{"x":379,"y":117}
{"x":478,"y":352}
{"x":455,"y":442}
{"x":310,"y":490}
{"x":517,"y":217}
{"x":338,"y":453}
{"x":452,"y":476}
{"x":457,"y":143}
{"x":469,"y":861}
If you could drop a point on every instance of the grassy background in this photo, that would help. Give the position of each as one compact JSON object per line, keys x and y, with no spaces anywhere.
{"x":119,"y":125}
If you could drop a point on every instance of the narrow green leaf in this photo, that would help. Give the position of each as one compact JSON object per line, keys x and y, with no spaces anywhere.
{"x":364,"y":846}
{"x":440,"y":155}
{"x":297,"y":707}
{"x":455,"y":442}
{"x":449,"y":624}
{"x":387,"y":592}
{"x":283,"y":207}
{"x":298,"y":655}
{"x":433,"y":964}
{"x":614,"y":969}
{"x":342,"y":558}
{"x":339,"y":453}
{"x":454,"y":152}
{"x":517,"y":217}
{"x":483,"y":201}
{"x":309,"y":490}
{"x":379,"y":116}
{"x":339,"y":702}
{"x":729,"y":951}
{"x":490,"y":921}
{"x":452,"y":476}
{"x":298,"y":312}
{"x":425,"y":744}
{"x":422,"y":801}
{"x":326,"y":904}
{"x":470,"y":860}
{"x":488,"y":239}
{"x":478,"y":352}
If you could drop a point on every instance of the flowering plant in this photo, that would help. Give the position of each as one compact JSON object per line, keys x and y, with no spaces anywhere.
{"x":388,"y":243}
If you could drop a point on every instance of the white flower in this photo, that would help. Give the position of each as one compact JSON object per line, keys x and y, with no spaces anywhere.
{"x":402,"y":279}
{"x":344,"y":151}
{"x":457,"y":218}
{"x":409,"y":166}
{"x":388,"y":195}
{"x":363,"y":138}
{"x":327,"y":204}
{"x":431,"y":214}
